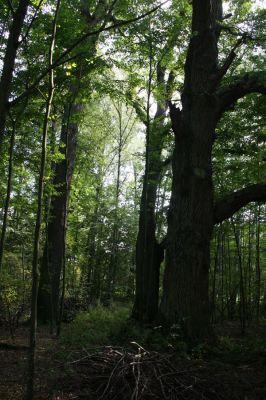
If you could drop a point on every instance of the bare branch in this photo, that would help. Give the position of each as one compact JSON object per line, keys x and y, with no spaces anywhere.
{"x":226,"y":16}
{"x":232,"y":202}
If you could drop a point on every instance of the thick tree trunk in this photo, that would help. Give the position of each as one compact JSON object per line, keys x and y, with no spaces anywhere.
{"x":149,"y":253}
{"x":149,"y":256}
{"x":51,"y":268}
{"x":192,"y":213}
{"x":9,"y":62}
{"x":190,"y":223}
{"x":190,"y":220}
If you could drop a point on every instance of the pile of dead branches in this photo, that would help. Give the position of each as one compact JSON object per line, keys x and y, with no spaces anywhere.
{"x":114,"y":373}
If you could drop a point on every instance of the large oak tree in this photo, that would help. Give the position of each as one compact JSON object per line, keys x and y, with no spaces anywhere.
{"x":193,"y":211}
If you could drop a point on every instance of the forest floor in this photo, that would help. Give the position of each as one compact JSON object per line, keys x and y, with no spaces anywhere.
{"x":233,"y":369}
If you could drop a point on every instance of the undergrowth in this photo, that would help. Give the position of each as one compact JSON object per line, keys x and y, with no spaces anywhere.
{"x":113,"y":327}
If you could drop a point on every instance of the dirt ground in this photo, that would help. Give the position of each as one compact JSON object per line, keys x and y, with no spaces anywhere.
{"x":114,"y":373}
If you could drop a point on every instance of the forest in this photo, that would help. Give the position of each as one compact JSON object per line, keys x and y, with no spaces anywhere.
{"x":132,"y":199}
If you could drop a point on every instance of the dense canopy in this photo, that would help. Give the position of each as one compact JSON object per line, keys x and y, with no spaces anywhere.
{"x":132,"y":165}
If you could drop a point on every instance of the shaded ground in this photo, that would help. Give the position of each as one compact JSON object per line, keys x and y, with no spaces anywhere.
{"x":234,"y":369}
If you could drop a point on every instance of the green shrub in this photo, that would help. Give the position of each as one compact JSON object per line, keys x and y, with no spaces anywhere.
{"x":113,"y":327}
{"x":14,"y":297}
{"x":98,"y":327}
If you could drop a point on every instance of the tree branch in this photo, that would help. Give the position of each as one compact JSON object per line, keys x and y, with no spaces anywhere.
{"x":24,"y":38}
{"x":140,"y":111}
{"x":169,"y":87}
{"x":59,"y":60}
{"x":227,"y":62}
{"x":232,"y":202}
{"x":251,"y":82}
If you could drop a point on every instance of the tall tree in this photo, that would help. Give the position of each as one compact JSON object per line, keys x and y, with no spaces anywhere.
{"x":53,"y":256}
{"x":96,"y":16}
{"x":37,"y":232}
{"x":161,"y":39}
{"x":149,"y":252}
{"x":193,"y":212}
{"x":125,"y":126}
{"x":9,"y":61}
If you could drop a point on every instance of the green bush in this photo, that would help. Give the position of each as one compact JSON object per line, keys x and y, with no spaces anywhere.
{"x":14,"y":294}
{"x":98,"y":327}
{"x":113,"y":327}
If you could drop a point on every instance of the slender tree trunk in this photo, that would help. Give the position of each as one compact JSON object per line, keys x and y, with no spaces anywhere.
{"x":222,"y":266}
{"x":258,"y":267}
{"x":9,"y":183}
{"x":249,"y":269}
{"x":36,"y":244}
{"x":8,"y":193}
{"x":232,"y":286}
{"x":97,"y":279}
{"x":149,"y":253}
{"x":61,"y":303}
{"x":214,"y":278}
{"x":9,"y":62}
{"x":242,"y":305}
{"x":115,"y":231}
{"x":92,"y":246}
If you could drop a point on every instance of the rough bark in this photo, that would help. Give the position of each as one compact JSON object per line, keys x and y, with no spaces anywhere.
{"x":149,"y":253}
{"x":51,"y":268}
{"x":190,"y":222}
{"x":191,"y":215}
{"x":9,"y":62}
